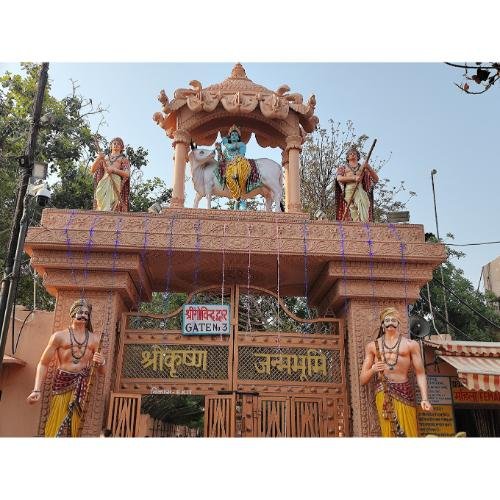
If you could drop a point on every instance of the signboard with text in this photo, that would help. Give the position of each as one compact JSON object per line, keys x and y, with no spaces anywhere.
{"x":438,"y":389}
{"x":206,"y":319}
{"x":462,"y":395}
{"x":440,"y":421}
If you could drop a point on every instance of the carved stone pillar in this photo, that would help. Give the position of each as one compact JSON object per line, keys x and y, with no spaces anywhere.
{"x":284,"y":162}
{"x":359,"y":300}
{"x":293,"y":149}
{"x":362,"y":319}
{"x":110,"y":294}
{"x":107,"y":308}
{"x":180,"y":145}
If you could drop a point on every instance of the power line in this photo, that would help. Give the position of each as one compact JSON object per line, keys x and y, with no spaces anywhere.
{"x":472,"y":244}
{"x":465,"y":304}
{"x":444,"y":319}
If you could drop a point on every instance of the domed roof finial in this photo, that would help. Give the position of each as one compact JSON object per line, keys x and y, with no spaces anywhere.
{"x":238,"y":71}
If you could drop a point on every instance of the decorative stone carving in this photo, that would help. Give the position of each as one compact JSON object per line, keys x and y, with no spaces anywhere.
{"x":353,"y":285}
{"x":181,"y":137}
{"x":294,"y":142}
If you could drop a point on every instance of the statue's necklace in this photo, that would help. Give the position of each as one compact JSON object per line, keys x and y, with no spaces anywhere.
{"x":80,"y":346}
{"x":113,"y":158}
{"x":354,"y":170}
{"x":396,"y":346}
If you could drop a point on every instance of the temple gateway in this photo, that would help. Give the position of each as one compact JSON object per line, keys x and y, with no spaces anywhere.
{"x":268,"y":338}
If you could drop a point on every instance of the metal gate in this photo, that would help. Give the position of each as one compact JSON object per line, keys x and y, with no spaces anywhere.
{"x":276,"y":374}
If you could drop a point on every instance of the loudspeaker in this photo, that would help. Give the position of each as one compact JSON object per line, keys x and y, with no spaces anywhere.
{"x":419,"y":327}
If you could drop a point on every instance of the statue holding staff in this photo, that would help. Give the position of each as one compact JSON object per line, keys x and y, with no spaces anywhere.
{"x":76,"y":348}
{"x":390,"y":358}
{"x":354,"y":188}
{"x":112,"y":179}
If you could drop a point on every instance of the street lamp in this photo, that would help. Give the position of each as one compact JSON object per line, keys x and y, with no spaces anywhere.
{"x":433,"y":173}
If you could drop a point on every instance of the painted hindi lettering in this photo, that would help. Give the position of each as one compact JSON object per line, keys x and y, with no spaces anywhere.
{"x":209,"y":319}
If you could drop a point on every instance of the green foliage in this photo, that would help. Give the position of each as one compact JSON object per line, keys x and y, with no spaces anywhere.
{"x":144,"y":194}
{"x":460,"y":291}
{"x":67,"y":143}
{"x":163,"y":303}
{"x":323,"y":152}
{"x":180,"y":410}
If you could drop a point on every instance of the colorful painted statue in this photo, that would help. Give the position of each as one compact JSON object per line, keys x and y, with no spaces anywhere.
{"x":233,"y":146}
{"x":348,"y":176}
{"x":235,"y":168}
{"x":75,"y":349}
{"x":390,"y":357}
{"x":112,"y":179}
{"x":266,"y":179}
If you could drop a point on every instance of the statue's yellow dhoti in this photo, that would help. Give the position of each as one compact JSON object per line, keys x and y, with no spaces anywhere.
{"x":237,"y":173}
{"x":67,"y":386}
{"x":404,"y":407}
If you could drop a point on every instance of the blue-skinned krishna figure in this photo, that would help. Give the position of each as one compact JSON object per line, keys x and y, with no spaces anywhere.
{"x":237,"y":167}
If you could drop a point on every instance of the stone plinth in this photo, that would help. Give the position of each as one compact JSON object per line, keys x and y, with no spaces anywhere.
{"x":349,"y":269}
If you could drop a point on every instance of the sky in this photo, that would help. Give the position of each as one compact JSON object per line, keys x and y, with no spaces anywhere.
{"x":420,"y":119}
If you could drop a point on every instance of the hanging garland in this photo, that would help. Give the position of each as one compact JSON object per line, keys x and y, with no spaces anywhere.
{"x":306,"y":274}
{"x":69,"y":252}
{"x":278,"y":338}
{"x":197,"y":247}
{"x":340,"y":228}
{"x":86,"y":254}
{"x":371,"y":254}
{"x":249,"y":239}
{"x":402,"y":249}
{"x":143,"y":256}
{"x":168,"y":276}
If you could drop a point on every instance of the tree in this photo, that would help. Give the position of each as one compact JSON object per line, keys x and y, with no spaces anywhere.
{"x":66,"y":142}
{"x":485,"y":76}
{"x":323,"y":152}
{"x":469,"y":311}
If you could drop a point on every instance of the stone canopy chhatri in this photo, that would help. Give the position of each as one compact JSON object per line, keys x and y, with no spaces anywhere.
{"x":277,"y":118}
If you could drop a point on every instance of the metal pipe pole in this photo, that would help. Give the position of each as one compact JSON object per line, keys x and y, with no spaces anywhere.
{"x":27,"y":167}
{"x":433,"y":173}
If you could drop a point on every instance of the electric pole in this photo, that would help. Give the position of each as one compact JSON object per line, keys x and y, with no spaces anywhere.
{"x":26,"y":163}
{"x":433,"y":173}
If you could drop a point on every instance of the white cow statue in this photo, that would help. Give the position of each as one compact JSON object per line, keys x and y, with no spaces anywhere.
{"x":203,"y":167}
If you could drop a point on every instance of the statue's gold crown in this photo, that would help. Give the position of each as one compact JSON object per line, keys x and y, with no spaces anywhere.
{"x":234,"y":128}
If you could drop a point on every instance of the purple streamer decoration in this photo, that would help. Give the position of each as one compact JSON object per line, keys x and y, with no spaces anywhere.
{"x":170,"y":251}
{"x":344,"y":263}
{"x":88,"y":249}
{"x":278,"y":338}
{"x":402,"y":249}
{"x":113,"y":271}
{"x":371,"y":255}
{"x":249,"y":239}
{"x":143,"y":256}
{"x":223,"y":263}
{"x":197,"y":246}
{"x":306,"y":234}
{"x":69,"y":252}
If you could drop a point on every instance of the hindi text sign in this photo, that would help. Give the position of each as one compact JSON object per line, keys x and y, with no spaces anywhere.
{"x":206,"y":319}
